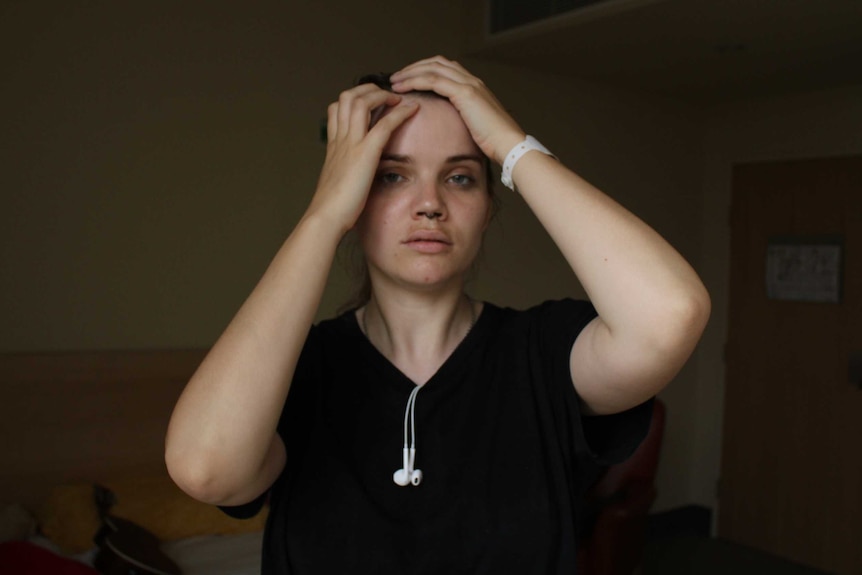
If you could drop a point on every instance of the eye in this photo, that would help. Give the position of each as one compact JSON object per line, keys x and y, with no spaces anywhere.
{"x":462,"y":180}
{"x":389,"y":178}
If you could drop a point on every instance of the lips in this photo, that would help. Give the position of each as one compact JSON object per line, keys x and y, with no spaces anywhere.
{"x":433,"y":236}
{"x":428,"y":241}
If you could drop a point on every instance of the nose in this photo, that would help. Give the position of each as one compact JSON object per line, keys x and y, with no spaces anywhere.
{"x":430,"y":202}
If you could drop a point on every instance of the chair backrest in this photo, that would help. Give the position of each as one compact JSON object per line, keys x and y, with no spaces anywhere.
{"x":642,"y":465}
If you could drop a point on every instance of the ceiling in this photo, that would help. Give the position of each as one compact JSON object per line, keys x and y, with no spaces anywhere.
{"x":702,"y":51}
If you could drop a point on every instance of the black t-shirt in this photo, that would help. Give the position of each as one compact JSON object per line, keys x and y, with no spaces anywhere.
{"x":504,"y":451}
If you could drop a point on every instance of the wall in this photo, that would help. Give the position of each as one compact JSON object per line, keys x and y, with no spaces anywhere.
{"x":157,"y":158}
{"x":155,"y":155}
{"x":808,"y":125}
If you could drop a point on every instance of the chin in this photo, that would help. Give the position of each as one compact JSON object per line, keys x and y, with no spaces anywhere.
{"x":425,"y":276}
{"x":430,"y":280}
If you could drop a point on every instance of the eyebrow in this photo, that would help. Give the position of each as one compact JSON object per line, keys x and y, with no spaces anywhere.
{"x":402,"y":159}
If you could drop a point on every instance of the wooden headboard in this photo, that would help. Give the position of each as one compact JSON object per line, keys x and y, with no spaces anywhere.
{"x":85,"y":416}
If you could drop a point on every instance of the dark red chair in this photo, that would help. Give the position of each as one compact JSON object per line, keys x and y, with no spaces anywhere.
{"x":619,"y":505}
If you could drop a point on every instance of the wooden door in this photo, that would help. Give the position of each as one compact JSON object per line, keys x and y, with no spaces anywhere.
{"x":791,"y":473}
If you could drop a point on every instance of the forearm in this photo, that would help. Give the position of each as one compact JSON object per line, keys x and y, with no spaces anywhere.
{"x":629,"y":271}
{"x":222,"y":430}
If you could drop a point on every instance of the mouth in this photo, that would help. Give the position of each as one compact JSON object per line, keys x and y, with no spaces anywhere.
{"x":428,"y":236}
{"x":428,"y":241}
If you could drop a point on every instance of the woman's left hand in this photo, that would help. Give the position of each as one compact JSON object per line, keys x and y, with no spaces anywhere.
{"x":492,"y":128}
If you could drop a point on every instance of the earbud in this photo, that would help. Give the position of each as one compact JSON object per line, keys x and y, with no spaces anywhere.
{"x":416,"y":477}
{"x":402,"y":476}
{"x":415,"y":474}
{"x":407,"y":475}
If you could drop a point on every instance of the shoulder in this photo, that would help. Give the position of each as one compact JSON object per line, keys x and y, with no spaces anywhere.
{"x":343,"y":323}
{"x":552,"y":307}
{"x":564,"y":309}
{"x":335,"y":329}
{"x":333,"y":341}
{"x":566,"y":316}
{"x":545,"y":332}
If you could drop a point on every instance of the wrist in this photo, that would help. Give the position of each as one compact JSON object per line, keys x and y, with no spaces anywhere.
{"x":529,"y":143}
{"x":325,"y":227}
{"x":506,"y":144}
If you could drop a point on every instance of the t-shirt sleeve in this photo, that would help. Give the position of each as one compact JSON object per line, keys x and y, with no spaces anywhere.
{"x":246,"y":510}
{"x":602,"y":440}
{"x":292,"y":425}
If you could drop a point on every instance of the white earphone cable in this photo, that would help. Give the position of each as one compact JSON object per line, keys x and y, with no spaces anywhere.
{"x":408,"y":474}
{"x":410,"y":416}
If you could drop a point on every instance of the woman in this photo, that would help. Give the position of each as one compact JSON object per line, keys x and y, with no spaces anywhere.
{"x":481,"y":470}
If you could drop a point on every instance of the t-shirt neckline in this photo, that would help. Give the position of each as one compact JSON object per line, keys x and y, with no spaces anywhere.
{"x":455,"y":359}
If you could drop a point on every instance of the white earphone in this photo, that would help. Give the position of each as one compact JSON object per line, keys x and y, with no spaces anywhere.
{"x":407,"y":475}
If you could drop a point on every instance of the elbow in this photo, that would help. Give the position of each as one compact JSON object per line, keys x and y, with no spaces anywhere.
{"x":223,"y":477}
{"x":643,"y":360}
{"x":683,"y":322}
{"x":697,"y":309}
{"x":189,"y":478}
{"x":694,"y":309}
{"x":195,"y":475}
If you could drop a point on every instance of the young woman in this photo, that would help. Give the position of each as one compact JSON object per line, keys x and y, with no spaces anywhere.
{"x":424,"y":431}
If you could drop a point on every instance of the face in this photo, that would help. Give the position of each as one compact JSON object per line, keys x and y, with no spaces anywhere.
{"x":429,"y":205}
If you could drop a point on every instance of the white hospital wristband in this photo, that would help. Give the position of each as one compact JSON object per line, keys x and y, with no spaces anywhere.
{"x":515,"y":154}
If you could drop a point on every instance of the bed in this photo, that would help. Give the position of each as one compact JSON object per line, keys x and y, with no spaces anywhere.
{"x":72,"y":420}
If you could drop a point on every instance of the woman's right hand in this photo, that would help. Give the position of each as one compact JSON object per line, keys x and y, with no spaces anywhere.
{"x":353,"y":151}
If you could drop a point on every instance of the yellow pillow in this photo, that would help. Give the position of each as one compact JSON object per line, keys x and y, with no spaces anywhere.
{"x":69,"y":517}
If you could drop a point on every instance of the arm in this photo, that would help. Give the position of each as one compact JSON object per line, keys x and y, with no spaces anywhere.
{"x":222,"y":446}
{"x":652,"y":306}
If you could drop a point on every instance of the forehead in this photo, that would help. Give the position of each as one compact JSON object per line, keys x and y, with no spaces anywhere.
{"x":435,"y":130}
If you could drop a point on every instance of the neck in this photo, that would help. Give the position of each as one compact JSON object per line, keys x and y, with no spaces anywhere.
{"x":418,"y":334}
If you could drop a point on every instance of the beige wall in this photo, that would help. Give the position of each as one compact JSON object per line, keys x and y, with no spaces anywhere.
{"x":156,"y":154}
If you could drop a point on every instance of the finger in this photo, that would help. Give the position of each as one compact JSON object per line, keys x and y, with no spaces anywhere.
{"x":440,"y":60}
{"x":383,"y":129}
{"x":366,"y":107}
{"x":346,"y":104}
{"x":432,"y":69}
{"x":332,"y":122}
{"x":457,"y":66}
{"x":354,"y":110}
{"x":444,"y":80}
{"x":448,"y":87}
{"x":448,"y":69}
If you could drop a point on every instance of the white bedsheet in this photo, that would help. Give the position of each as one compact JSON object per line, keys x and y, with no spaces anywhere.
{"x":217,"y":554}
